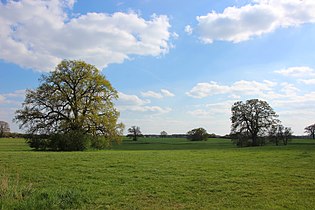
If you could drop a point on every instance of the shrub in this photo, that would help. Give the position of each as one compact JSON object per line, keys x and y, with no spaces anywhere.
{"x":100,"y":142}
{"x":198,"y":134}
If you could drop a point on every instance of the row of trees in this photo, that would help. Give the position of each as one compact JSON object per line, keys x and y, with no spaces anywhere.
{"x":73,"y":109}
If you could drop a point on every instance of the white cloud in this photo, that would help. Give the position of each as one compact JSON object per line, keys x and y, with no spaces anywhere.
{"x":2,"y":99}
{"x":13,"y":98}
{"x":255,"y":19}
{"x":308,"y":81}
{"x":297,"y":72}
{"x":131,"y":100}
{"x":38,"y":34}
{"x":202,"y":90}
{"x":152,"y":94}
{"x":167,"y":93}
{"x":188,"y":29}
{"x":134,"y":103}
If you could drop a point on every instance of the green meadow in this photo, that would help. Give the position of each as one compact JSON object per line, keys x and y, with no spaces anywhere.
{"x":159,"y":173}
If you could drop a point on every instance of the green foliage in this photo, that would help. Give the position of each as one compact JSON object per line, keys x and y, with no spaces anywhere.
{"x":197,"y":134}
{"x":100,"y":142}
{"x":72,"y":141}
{"x":71,"y":102}
{"x":279,"y":134}
{"x":4,"y":129}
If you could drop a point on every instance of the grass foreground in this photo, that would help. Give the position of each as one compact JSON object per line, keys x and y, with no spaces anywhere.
{"x":159,"y":174}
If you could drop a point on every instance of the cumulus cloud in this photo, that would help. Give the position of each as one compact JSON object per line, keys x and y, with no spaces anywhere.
{"x":134,"y":103}
{"x":202,"y":90}
{"x":209,"y":110}
{"x":152,"y":94}
{"x":260,"y":17}
{"x":308,"y":81}
{"x":297,"y":72}
{"x":38,"y":34}
{"x":12,"y":98}
{"x":188,"y":29}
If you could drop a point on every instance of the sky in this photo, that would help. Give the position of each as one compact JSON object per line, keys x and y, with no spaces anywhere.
{"x":177,"y":65}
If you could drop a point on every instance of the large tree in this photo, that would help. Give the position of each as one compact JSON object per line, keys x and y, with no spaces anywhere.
{"x":310,"y":130}
{"x":252,"y":119}
{"x":75,"y":97}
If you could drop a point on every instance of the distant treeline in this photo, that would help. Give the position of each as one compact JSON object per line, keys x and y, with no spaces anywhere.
{"x":227,"y":136}
{"x":21,"y":135}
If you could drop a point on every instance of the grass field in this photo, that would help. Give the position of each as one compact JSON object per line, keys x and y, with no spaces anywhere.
{"x":159,"y":174}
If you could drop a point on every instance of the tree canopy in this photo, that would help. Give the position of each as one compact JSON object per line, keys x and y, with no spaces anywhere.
{"x":75,"y":97}
{"x":4,"y":128}
{"x":163,"y":134}
{"x":310,"y":130}
{"x":197,"y":134}
{"x":134,"y":132}
{"x":252,"y":119}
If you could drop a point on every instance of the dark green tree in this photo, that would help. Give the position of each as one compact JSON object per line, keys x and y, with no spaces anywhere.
{"x":134,"y":132}
{"x":278,"y":133}
{"x":251,"y":120}
{"x":4,"y":129}
{"x":163,"y":134}
{"x":197,"y":134}
{"x":75,"y":100}
{"x":310,"y":130}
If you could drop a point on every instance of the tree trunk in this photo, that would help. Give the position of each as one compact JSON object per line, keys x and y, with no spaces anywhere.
{"x":254,"y":138}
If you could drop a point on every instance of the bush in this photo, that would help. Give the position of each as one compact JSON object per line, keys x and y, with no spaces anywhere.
{"x":100,"y":142}
{"x":198,"y":134}
{"x":71,"y":141}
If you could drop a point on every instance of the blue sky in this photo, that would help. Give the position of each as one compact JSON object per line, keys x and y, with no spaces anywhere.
{"x":177,"y":65}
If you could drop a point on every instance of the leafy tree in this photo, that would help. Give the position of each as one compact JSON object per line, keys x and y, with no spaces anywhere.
{"x":197,"y":134}
{"x":287,"y":135}
{"x":4,"y":129}
{"x":252,"y":120}
{"x":134,"y":132}
{"x":310,"y":130}
{"x":278,"y":133}
{"x":76,"y":101}
{"x":163,"y":134}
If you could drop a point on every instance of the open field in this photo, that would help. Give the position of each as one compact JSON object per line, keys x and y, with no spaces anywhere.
{"x":159,"y":174}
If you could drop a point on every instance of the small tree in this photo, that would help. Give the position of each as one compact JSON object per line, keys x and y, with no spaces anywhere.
{"x":163,"y":134}
{"x":287,"y":135}
{"x":252,"y":120}
{"x":134,"y":132}
{"x":4,"y":129}
{"x":276,"y":134}
{"x":310,"y":130}
{"x":197,"y":134}
{"x":279,"y":133}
